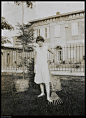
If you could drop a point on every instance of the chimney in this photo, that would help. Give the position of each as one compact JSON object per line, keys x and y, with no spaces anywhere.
{"x":57,"y":13}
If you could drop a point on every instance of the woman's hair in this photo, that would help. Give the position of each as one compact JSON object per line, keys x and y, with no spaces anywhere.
{"x":40,"y":38}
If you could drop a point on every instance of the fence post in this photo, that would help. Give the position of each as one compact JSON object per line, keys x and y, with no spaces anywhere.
{"x":16,"y":60}
{"x":73,"y":56}
{"x":76,"y":53}
{"x":79,"y":57}
{"x":65,"y":58}
{"x":82,"y":56}
{"x":1,"y":59}
{"x":62,"y":58}
{"x":70,"y":60}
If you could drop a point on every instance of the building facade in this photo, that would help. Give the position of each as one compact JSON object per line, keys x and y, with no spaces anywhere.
{"x":63,"y":30}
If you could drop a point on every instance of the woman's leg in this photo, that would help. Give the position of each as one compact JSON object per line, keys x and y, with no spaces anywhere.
{"x":42,"y":90}
{"x":48,"y":91}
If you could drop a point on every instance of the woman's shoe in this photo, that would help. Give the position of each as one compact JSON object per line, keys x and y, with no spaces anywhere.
{"x":49,"y":99}
{"x":42,"y":94}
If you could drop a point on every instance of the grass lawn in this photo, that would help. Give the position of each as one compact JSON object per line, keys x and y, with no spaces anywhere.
{"x":27,"y":103}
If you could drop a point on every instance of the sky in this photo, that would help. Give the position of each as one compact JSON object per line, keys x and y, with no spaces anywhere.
{"x":13,"y":13}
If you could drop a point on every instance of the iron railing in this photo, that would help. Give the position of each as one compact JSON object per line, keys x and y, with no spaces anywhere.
{"x":67,"y":58}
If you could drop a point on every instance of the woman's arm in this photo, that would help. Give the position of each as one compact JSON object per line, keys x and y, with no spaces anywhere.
{"x":35,"y":57}
{"x":51,"y":51}
{"x":35,"y":62}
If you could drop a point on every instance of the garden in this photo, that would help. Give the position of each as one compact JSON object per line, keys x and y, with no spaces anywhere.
{"x":27,"y":103}
{"x":19,"y":92}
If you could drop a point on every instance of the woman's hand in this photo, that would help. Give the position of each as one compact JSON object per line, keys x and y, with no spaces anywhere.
{"x":35,"y":69}
{"x":50,"y":61}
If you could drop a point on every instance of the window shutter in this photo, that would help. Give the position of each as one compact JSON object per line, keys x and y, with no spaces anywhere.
{"x":73,"y":32}
{"x":43,"y":32}
{"x":35,"y":33}
{"x":57,"y":31}
{"x":47,"y":32}
{"x":38,"y":32}
{"x":41,"y":29}
{"x":74,"y":28}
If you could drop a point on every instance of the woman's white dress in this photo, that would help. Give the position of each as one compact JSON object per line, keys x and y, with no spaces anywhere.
{"x":42,"y":74}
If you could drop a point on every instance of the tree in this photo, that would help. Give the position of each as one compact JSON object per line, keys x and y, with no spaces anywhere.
{"x":5,"y":25}
{"x":24,"y":39}
{"x":29,"y":4}
{"x":26,"y":34}
{"x":5,"y":40}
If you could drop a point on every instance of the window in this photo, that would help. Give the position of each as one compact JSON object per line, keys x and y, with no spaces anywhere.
{"x":44,"y":32}
{"x":38,"y":32}
{"x":57,"y":31}
{"x":74,"y":29}
{"x":8,"y":59}
{"x":41,"y":31}
{"x":59,"y":55}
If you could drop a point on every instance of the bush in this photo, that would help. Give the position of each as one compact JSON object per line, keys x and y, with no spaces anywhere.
{"x":31,"y":74}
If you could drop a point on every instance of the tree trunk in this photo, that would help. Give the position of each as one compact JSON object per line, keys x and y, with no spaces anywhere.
{"x":23,"y":39}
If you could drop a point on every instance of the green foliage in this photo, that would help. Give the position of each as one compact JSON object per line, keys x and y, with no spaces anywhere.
{"x":5,"y":40}
{"x":26,"y":34}
{"x":28,"y":3}
{"x":31,"y":74}
{"x":5,"y":24}
{"x":29,"y":63}
{"x":26,"y":37}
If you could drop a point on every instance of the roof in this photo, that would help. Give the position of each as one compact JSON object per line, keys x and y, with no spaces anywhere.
{"x":55,"y":16}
